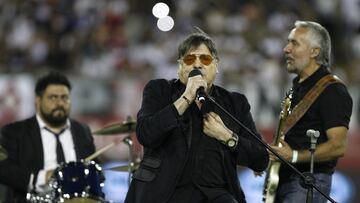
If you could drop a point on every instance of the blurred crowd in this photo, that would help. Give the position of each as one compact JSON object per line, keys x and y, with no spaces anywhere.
{"x":111,"y":48}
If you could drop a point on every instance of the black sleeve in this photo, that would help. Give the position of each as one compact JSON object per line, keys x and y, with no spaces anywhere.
{"x":336,"y":98}
{"x":12,"y":173}
{"x":251,"y":152}
{"x":157,"y":116}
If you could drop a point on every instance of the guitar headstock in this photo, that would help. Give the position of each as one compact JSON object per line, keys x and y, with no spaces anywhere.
{"x":286,"y":104}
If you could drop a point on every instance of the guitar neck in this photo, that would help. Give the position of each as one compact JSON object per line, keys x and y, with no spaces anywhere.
{"x":277,"y":136}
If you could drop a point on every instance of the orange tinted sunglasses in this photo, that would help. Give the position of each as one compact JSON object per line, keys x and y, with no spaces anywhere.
{"x":204,"y":59}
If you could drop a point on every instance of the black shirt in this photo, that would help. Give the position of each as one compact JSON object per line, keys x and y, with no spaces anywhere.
{"x":204,"y":169}
{"x":332,"y":108}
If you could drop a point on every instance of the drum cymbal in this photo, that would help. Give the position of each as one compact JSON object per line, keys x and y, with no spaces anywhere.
{"x":126,"y":168}
{"x":3,"y":153}
{"x":117,"y":128}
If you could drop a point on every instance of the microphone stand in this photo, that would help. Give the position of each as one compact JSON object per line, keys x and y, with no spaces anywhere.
{"x":311,"y":180}
{"x":304,"y":176}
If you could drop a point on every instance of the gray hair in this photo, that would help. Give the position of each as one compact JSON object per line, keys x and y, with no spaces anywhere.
{"x":319,"y":37}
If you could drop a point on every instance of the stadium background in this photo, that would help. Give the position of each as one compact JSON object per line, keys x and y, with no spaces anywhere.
{"x":111,"y":48}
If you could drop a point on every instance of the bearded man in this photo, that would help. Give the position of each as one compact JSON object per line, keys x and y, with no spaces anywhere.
{"x":38,"y":145}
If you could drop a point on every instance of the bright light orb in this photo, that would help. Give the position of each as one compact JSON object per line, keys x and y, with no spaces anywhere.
{"x":165,"y":24}
{"x":160,"y":10}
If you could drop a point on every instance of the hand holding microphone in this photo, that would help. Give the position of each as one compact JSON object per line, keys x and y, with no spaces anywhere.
{"x":196,"y":85}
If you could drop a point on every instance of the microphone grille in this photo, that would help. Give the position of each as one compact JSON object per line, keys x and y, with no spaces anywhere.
{"x":312,"y":132}
{"x":194,"y":72}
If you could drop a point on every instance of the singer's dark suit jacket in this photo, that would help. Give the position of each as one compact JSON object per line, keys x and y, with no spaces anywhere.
{"x":22,"y":140}
{"x":162,"y":133}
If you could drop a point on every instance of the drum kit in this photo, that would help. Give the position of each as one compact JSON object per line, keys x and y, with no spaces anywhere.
{"x":82,"y":181}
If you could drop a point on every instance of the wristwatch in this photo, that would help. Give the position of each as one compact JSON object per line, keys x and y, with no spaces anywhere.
{"x":232,"y":141}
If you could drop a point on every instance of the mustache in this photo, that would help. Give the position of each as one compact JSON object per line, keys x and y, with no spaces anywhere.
{"x":288,"y":57}
{"x":58,"y":109}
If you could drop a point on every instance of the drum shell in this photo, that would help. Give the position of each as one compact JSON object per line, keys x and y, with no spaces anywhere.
{"x":80,"y":179}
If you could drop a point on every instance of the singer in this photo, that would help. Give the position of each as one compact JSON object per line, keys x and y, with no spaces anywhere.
{"x":192,"y":149}
{"x":307,"y":54}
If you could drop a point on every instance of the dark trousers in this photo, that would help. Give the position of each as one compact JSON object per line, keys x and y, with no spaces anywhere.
{"x":191,"y":194}
{"x":292,"y":192}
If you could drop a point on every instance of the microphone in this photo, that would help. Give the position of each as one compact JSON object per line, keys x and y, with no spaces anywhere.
{"x":200,"y":92}
{"x":313,"y":133}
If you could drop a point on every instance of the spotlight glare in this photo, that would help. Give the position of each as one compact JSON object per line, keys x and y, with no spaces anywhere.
{"x":165,"y":24}
{"x":160,"y":10}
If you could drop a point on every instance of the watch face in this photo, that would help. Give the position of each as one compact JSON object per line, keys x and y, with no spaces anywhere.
{"x":231,"y":143}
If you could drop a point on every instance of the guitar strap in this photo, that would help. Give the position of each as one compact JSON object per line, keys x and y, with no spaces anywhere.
{"x":301,"y":108}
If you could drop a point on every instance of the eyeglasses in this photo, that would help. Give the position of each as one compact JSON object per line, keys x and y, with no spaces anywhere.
{"x":191,"y":58}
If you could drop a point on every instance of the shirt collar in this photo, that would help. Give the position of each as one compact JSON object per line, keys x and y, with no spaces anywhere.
{"x":312,"y":79}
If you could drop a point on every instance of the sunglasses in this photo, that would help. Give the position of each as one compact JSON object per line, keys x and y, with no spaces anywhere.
{"x":191,"y":58}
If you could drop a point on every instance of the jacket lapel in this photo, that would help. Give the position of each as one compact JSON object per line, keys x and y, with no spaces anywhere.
{"x":35,"y":138}
{"x":75,"y":140}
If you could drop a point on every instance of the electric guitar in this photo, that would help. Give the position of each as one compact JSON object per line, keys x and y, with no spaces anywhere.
{"x":272,"y":172}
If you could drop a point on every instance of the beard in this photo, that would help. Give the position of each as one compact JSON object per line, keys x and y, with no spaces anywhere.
{"x":297,"y":67}
{"x":53,"y":118}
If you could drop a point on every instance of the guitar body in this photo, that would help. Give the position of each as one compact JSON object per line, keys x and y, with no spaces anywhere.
{"x":272,"y":173}
{"x":272,"y":181}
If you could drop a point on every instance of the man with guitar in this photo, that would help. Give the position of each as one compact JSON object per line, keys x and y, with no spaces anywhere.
{"x":320,"y":101}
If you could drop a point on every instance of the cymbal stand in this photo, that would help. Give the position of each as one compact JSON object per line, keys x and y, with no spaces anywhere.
{"x":127,"y":140}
